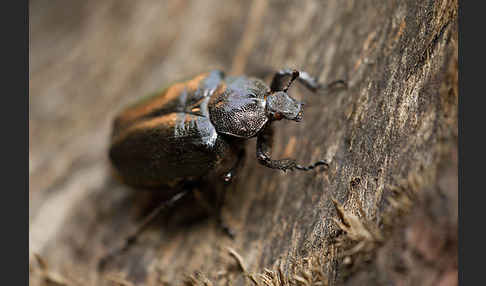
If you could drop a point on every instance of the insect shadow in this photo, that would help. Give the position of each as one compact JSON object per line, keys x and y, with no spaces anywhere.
{"x":169,"y":211}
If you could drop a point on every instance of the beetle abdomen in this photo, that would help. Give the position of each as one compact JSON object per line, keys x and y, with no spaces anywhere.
{"x":166,"y":149}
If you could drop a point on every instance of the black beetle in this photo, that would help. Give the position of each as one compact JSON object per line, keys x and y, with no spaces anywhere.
{"x":196,"y":129}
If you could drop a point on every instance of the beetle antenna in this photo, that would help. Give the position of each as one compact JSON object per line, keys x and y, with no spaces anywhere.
{"x":295,"y":75}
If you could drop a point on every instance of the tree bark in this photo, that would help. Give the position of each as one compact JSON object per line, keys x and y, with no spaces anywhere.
{"x":385,"y":212}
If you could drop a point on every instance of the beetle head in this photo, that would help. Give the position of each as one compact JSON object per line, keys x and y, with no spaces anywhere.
{"x":282,"y":106}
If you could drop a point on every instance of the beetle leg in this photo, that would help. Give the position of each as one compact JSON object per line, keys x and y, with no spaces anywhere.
{"x":264,"y":145}
{"x":228,"y":177}
{"x":132,"y":238}
{"x":219,"y":215}
{"x":224,"y":227}
{"x":215,"y":209}
{"x":279,"y":83}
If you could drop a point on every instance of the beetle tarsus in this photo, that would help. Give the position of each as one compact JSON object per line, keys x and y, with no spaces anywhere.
{"x":310,"y":167}
{"x":264,"y":143}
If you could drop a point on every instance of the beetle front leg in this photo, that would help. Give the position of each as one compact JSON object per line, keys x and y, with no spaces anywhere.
{"x":280,"y":84}
{"x":264,"y":145}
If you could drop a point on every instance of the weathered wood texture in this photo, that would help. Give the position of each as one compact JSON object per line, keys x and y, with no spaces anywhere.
{"x":391,"y":139}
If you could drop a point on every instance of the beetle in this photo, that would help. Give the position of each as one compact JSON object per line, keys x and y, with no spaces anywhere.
{"x":195,"y":130}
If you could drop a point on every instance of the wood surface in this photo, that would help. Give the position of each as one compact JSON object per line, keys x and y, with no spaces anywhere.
{"x":385,"y":213}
